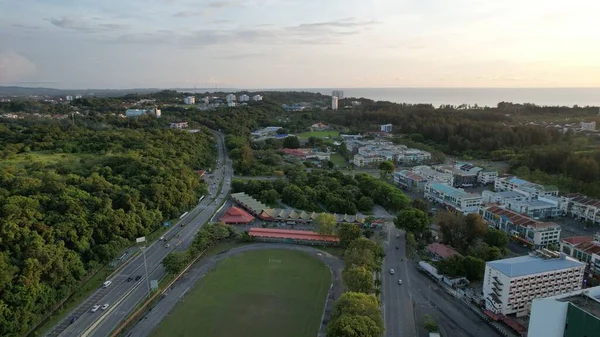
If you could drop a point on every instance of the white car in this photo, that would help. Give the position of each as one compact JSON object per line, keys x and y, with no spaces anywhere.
{"x":105,"y":306}
{"x":399,"y":281}
{"x":392,"y":271}
{"x":95,"y":308}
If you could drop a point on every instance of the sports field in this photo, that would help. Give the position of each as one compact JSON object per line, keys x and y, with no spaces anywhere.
{"x":266,"y":293}
{"x":319,"y":134}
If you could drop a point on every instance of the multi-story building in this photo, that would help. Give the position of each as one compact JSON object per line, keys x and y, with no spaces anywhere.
{"x":433,"y":175}
{"x":591,"y":126}
{"x":257,"y":98}
{"x":375,"y":152}
{"x":69,"y":98}
{"x":523,"y":228}
{"x":530,"y":189}
{"x":581,"y":207}
{"x":585,"y":249}
{"x":465,"y":175}
{"x":487,"y":176}
{"x":231,"y":103}
{"x":574,"y":314}
{"x":206,"y":100}
{"x":409,"y":180}
{"x":491,"y":197}
{"x":337,"y":93}
{"x":453,"y":197}
{"x":386,"y":128}
{"x":230,"y":98}
{"x":138,"y":112}
{"x":190,"y":100}
{"x":334,"y":103}
{"x":537,"y":208}
{"x":510,"y":285}
{"x":244,"y":98}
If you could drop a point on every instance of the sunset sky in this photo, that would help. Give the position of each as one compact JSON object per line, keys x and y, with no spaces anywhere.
{"x":299,"y":43}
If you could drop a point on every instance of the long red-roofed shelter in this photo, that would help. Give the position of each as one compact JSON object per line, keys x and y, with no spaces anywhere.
{"x":288,"y":235}
{"x":236,"y":215}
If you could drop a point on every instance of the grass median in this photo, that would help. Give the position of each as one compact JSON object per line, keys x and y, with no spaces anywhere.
{"x":267,"y":293}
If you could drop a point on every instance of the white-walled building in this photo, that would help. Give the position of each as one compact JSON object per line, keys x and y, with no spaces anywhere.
{"x":338,"y":93}
{"x":537,"y":208}
{"x":231,"y":103}
{"x":585,"y":249}
{"x":69,"y":98}
{"x":230,"y":98}
{"x":454,"y":197}
{"x":190,"y":100}
{"x":487,"y":177}
{"x":574,"y":314}
{"x":525,"y":229}
{"x":510,"y":285}
{"x":244,"y":98}
{"x":179,"y":125}
{"x":409,"y":180}
{"x":138,"y":112}
{"x":386,"y":128}
{"x":433,"y":175}
{"x":334,"y":103}
{"x":591,"y":126}
{"x":530,"y":189}
{"x":373,"y":152}
{"x":206,"y":100}
{"x":257,"y":98}
{"x":581,"y":207}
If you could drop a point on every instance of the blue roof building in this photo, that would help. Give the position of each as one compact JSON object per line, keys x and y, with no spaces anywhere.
{"x":452,"y":197}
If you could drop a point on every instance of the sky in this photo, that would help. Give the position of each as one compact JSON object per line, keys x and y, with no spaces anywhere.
{"x":252,"y":44}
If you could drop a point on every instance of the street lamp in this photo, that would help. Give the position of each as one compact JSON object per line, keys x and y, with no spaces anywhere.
{"x":143,"y":249}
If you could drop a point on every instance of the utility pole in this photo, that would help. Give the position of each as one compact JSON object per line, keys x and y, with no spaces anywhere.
{"x":143,"y":248}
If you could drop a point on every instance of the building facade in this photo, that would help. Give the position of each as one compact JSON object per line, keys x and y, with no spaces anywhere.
{"x":433,"y":175}
{"x":409,"y":180}
{"x":190,"y":100}
{"x":244,"y":98}
{"x":581,"y":207}
{"x":337,"y":93}
{"x":386,"y":128}
{"x":510,"y":285}
{"x":520,"y":227}
{"x":230,"y":98}
{"x":456,"y":198}
{"x":139,"y":112}
{"x":487,"y":177}
{"x":532,"y":190}
{"x":257,"y":98}
{"x":585,"y":249}
{"x":334,"y":103}
{"x":591,"y":126}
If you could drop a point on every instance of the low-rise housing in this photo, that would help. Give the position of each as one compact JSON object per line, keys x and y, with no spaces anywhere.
{"x":510,"y":285}
{"x":375,"y":152}
{"x":179,"y":125}
{"x":456,"y":198}
{"x":532,"y":190}
{"x":386,"y":128}
{"x":409,"y":180}
{"x":268,"y":132}
{"x":307,"y":154}
{"x":319,"y":126}
{"x":581,"y":207}
{"x":139,"y":112}
{"x":434,"y":175}
{"x":585,"y":249}
{"x":440,"y":251}
{"x":465,"y":174}
{"x":534,"y":207}
{"x":523,"y":228}
{"x":591,"y":126}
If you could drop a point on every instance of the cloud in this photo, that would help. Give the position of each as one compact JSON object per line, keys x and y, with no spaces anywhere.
{"x":14,"y":67}
{"x":225,"y":4}
{"x":240,"y":56}
{"x":26,"y":26}
{"x":84,"y":26}
{"x":189,"y":14}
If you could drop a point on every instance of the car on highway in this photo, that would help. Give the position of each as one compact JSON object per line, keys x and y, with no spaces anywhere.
{"x":167,"y":245}
{"x":73,"y":319}
{"x":392,"y":271}
{"x":95,"y":308}
{"x":137,"y":278}
{"x":106,"y":284}
{"x":162,"y":238}
{"x":397,"y":235}
{"x":129,"y":279}
{"x":105,"y":306}
{"x":399,"y":281}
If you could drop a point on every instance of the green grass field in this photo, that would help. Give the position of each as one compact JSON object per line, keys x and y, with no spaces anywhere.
{"x":338,"y":160}
{"x":245,"y":295}
{"x":319,"y":134}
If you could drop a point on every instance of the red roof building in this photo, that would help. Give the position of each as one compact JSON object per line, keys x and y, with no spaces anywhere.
{"x":236,"y":215}
{"x":284,"y":235}
{"x":441,"y":251}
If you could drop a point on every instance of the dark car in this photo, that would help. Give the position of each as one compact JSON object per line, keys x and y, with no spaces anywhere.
{"x":137,"y":278}
{"x":73,"y":319}
{"x":129,"y":279}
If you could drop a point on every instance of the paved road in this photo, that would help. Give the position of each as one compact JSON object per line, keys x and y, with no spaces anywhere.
{"x":398,"y":308}
{"x":153,"y":318}
{"x":123,"y":296}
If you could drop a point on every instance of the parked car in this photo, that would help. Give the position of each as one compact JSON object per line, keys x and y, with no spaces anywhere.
{"x":95,"y":308}
{"x":105,"y":306}
{"x":392,"y":271}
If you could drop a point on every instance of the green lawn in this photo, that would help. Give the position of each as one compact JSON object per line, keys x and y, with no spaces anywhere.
{"x":245,"y":295}
{"x":319,"y":134}
{"x":338,"y":160}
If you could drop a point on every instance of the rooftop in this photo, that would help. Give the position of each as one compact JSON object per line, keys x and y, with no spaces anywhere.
{"x":582,"y":199}
{"x":441,"y":250}
{"x":529,"y":265}
{"x":518,"y":219}
{"x":584,"y":303}
{"x":290,"y":234}
{"x":454,"y":192}
{"x":236,"y":215}
{"x":411,"y":175}
{"x":527,"y":184}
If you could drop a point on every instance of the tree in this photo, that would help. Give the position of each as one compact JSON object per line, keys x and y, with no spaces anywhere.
{"x":497,"y":238}
{"x":475,"y":228}
{"x":359,"y":304}
{"x":353,"y":326}
{"x":366,"y":244}
{"x":485,"y":252}
{"x":429,"y":323}
{"x":365,"y":204}
{"x":452,"y":266}
{"x":325,"y":223}
{"x":291,"y":142}
{"x":420,"y":204}
{"x":413,"y":220}
{"x":356,"y":257}
{"x":348,"y":232}
{"x":358,"y":279}
{"x":386,"y":168}
{"x":174,"y":263}
{"x":269,"y":196}
{"x":283,"y":131}
{"x":474,"y":268}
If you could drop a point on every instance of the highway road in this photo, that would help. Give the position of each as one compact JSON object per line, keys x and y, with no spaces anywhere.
{"x":123,"y":296}
{"x":398,"y":311}
{"x":153,"y":318}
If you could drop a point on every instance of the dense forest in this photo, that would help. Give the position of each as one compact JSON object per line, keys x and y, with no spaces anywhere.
{"x":71,"y":198}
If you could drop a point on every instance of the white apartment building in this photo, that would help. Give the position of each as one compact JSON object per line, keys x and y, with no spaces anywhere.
{"x":591,"y":126}
{"x":244,"y":98}
{"x":338,"y":93}
{"x":581,"y":207}
{"x":538,"y":208}
{"x":190,"y":100}
{"x":206,"y":100}
{"x":531,"y":189}
{"x":386,"y":128}
{"x":454,"y":197}
{"x":433,"y":175}
{"x":486,"y":177}
{"x":230,"y":98}
{"x":257,"y":98}
{"x":523,"y":228}
{"x":69,"y":98}
{"x":510,"y":285}
{"x":334,"y":103}
{"x":231,"y":103}
{"x":361,"y":161}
